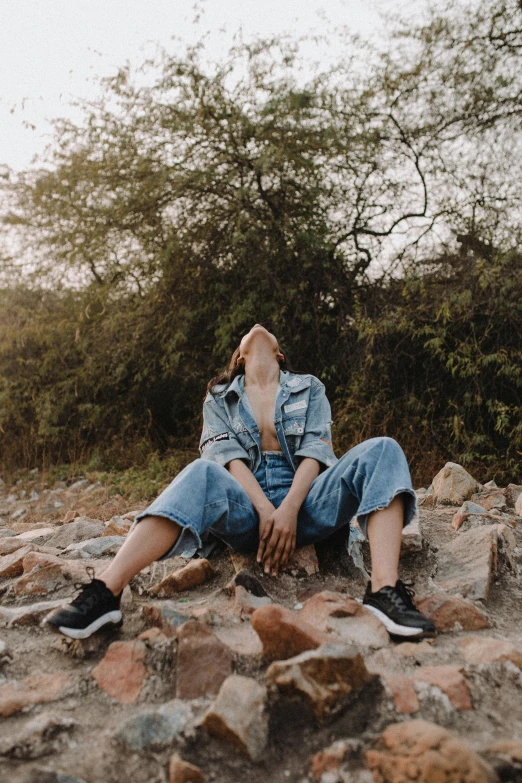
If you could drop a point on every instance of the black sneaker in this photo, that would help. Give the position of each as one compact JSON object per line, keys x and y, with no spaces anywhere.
{"x":93,"y":608}
{"x":394,"y":607}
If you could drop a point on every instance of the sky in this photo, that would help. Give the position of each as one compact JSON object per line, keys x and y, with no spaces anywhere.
{"x":53,"y":51}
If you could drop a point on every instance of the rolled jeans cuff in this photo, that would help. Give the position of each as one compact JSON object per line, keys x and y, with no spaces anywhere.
{"x":410,"y":509}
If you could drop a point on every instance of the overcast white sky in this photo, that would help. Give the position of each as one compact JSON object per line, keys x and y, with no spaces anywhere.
{"x":51,"y":51}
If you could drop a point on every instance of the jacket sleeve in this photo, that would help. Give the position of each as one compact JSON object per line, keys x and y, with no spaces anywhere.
{"x":317,"y":439}
{"x":218,"y":440}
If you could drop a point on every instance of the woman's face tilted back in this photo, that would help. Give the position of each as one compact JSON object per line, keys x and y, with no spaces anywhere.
{"x":259,"y":340}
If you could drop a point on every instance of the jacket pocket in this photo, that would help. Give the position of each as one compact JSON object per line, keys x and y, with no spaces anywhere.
{"x":293,"y":428}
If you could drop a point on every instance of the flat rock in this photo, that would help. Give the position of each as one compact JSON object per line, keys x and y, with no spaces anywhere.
{"x":81,"y":529}
{"x":196,"y":572}
{"x":158,"y":728}
{"x":203,"y":661}
{"x":45,"y":573}
{"x":283,"y":634}
{"x":323,"y":677}
{"x":37,"y":535}
{"x":121,"y":673}
{"x":35,"y":689}
{"x":238,"y":715}
{"x":96,"y":547}
{"x":491,"y":499}
{"x":240,"y":639}
{"x":334,"y":613}
{"x":418,"y":750}
{"x":486,"y":649}
{"x":466,"y":564}
{"x":450,"y":613}
{"x":453,"y":485}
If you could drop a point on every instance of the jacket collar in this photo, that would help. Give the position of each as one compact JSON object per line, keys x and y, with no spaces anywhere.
{"x":289,"y":380}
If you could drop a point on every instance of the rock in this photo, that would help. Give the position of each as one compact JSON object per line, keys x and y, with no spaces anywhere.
{"x":466,"y":564}
{"x":323,"y":677}
{"x":465,"y":511}
{"x":203,"y":661}
{"x":283,"y":634}
{"x":156,"y":729}
{"x":450,"y":680}
{"x":238,"y":715}
{"x":152,"y":635}
{"x":40,"y":775}
{"x":117,"y":526}
{"x":30,"y":614}
{"x":411,"y":538}
{"x":12,"y":565}
{"x":196,"y":572}
{"x":96,"y":547}
{"x":422,"y":751}
{"x":44,"y":573}
{"x":450,"y":613}
{"x":332,"y":612}
{"x":494,"y":499}
{"x":79,"y":530}
{"x":6,"y":532}
{"x":36,"y":689}
{"x":244,"y":578}
{"x":303,"y":561}
{"x":512,"y":492}
{"x":245,"y":603}
{"x":241,"y":561}
{"x":37,"y":535}
{"x":413,"y":649}
{"x":485,"y":649}
{"x":518,"y":506}
{"x":182,"y":772}
{"x":506,"y":759}
{"x":405,"y":697}
{"x":40,"y":737}
{"x":453,"y":485}
{"x":165,"y":616}
{"x":122,"y":671}
{"x":242,"y":639}
{"x":330,"y":758}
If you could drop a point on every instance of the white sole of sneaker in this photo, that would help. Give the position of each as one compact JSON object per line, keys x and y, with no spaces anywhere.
{"x":391,"y":627}
{"x":84,"y":633}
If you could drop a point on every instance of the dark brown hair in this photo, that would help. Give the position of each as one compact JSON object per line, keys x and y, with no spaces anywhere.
{"x":235,"y":369}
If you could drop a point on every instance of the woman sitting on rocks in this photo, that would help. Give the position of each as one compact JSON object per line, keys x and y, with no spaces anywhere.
{"x":268,"y":481}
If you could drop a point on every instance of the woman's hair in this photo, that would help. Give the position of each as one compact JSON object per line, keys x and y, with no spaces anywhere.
{"x":235,"y":369}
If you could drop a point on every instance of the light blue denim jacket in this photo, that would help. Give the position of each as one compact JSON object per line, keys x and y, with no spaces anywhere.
{"x":302,"y":419}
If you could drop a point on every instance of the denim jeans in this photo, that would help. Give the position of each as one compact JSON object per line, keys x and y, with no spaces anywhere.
{"x":204,"y":498}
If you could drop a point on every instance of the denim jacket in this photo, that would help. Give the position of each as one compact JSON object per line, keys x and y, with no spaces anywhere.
{"x":302,"y":419}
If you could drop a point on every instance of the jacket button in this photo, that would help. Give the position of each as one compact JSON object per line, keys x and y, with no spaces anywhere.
{"x":299,"y":430}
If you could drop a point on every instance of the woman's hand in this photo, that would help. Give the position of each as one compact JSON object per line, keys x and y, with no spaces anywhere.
{"x":277,"y":537}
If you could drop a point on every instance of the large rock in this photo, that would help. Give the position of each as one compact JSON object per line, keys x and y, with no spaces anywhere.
{"x":411,"y":538}
{"x":35,"y":689}
{"x":44,"y":573}
{"x":323,"y":677}
{"x":122,"y":671}
{"x":450,"y":613}
{"x":512,"y":492}
{"x":196,"y":572}
{"x":79,"y":530}
{"x":450,"y":680}
{"x":466,"y":564}
{"x":486,"y":649}
{"x":203,"y":661}
{"x":424,"y":752}
{"x":332,"y":612}
{"x":238,"y":715}
{"x":158,"y":728}
{"x":283,"y":634}
{"x":453,"y":485}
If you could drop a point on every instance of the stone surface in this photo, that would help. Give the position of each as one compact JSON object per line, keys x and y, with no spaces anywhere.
{"x":466,"y":564}
{"x":323,"y":677}
{"x":304,"y":561}
{"x":122,"y":671}
{"x":196,"y":572}
{"x":203,"y":661}
{"x":450,"y":680}
{"x":490,"y":500}
{"x":96,"y":547}
{"x":117,"y":526}
{"x":41,"y":775}
{"x":283,"y":634}
{"x":44,"y":573}
{"x":329,"y":759}
{"x":12,"y":565}
{"x":35,"y":689}
{"x":404,"y":695}
{"x":411,"y":538}
{"x":467,"y":509}
{"x":453,"y":485}
{"x":346,"y":618}
{"x":512,"y":492}
{"x":422,"y":752}
{"x":240,"y":639}
{"x":518,"y":506}
{"x":79,"y":530}
{"x":238,"y":715}
{"x":31,"y":614}
{"x":36,"y":535}
{"x":181,"y":771}
{"x":450,"y":613}
{"x":245,"y":603}
{"x":158,"y":728}
{"x":40,"y":737}
{"x":485,"y":649}
{"x":165,"y":616}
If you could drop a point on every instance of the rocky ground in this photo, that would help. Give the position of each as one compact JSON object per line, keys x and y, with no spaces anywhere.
{"x":222,"y":674}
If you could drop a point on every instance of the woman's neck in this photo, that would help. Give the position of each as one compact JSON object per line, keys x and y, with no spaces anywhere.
{"x":262,"y":371}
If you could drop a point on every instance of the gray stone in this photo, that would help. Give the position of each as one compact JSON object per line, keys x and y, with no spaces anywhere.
{"x":6,"y":532}
{"x":96,"y":547}
{"x":453,"y":485}
{"x":466,"y":564}
{"x":512,"y":492}
{"x":80,"y":484}
{"x":40,"y":737}
{"x":81,"y":529}
{"x":411,"y":538}
{"x":157,"y":729}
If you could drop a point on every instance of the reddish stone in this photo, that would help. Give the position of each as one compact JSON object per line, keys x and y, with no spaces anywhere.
{"x":413,"y":649}
{"x":486,"y":649}
{"x":182,"y":772}
{"x":403,"y":692}
{"x":152,"y":635}
{"x":303,"y":560}
{"x":448,"y":610}
{"x":36,"y":689}
{"x":450,"y":680}
{"x":418,"y":750}
{"x":329,"y":759}
{"x":203,"y":661}
{"x":11,"y":544}
{"x":283,"y":634}
{"x":511,"y":748}
{"x":13,"y":564}
{"x":490,"y":500}
{"x":196,"y":572}
{"x":331,"y":612}
{"x":122,"y":671}
{"x":44,"y":573}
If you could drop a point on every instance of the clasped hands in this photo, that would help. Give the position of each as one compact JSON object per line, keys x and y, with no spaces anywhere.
{"x":277,"y":537}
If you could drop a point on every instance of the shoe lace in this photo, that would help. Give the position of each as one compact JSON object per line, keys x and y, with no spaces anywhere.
{"x":405,"y":590}
{"x":89,"y":592}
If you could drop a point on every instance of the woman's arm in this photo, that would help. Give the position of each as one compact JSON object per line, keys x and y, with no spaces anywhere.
{"x":250,"y":484}
{"x":278,"y":538}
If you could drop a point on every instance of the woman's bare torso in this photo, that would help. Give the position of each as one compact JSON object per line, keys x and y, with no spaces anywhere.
{"x":263,"y":405}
